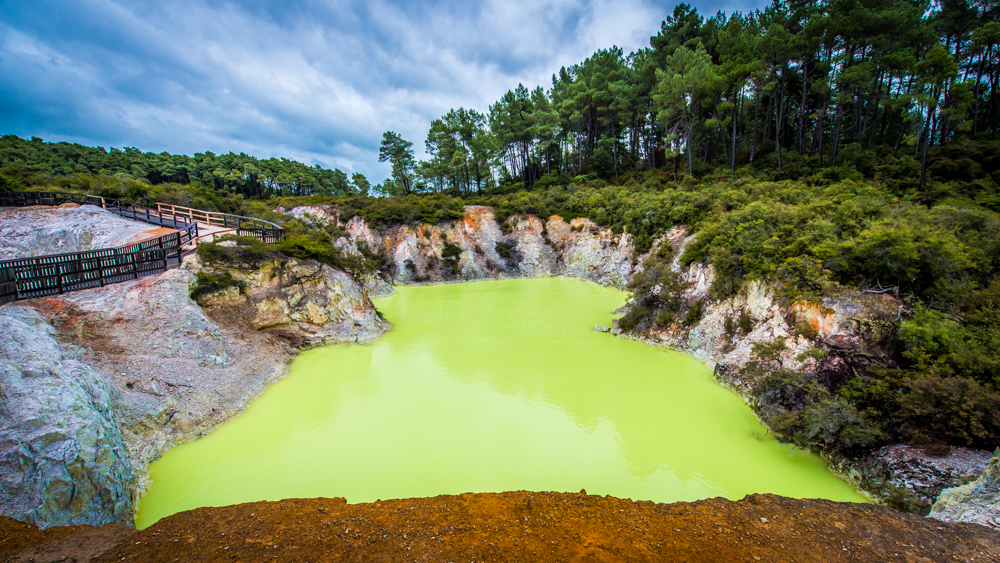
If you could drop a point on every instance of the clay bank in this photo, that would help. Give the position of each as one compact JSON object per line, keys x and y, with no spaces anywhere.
{"x":97,"y":384}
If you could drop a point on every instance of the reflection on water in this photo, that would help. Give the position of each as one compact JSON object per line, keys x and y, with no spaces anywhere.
{"x":489,"y":386}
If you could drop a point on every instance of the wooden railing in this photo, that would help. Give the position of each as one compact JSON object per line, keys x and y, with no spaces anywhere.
{"x":24,"y":278}
{"x":242,"y":226}
{"x":112,"y":205}
{"x":165,"y":215}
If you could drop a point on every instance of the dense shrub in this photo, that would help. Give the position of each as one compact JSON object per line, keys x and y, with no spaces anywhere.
{"x":631,"y":320}
{"x":505,"y":249}
{"x":799,"y":410}
{"x":950,"y":410}
{"x":206,"y":283}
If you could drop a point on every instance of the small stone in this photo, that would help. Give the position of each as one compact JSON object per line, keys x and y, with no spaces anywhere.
{"x":763,"y":520}
{"x":600,"y":328}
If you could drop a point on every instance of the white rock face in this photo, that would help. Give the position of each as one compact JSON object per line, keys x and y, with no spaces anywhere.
{"x":578,"y":249}
{"x":38,"y":231}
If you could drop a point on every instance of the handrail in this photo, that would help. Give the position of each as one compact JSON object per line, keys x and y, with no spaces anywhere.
{"x":218,"y":219}
{"x":166,"y":215}
{"x":24,"y":278}
{"x":37,"y":276}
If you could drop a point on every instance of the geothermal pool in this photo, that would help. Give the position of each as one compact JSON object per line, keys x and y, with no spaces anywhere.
{"x":483,"y":387}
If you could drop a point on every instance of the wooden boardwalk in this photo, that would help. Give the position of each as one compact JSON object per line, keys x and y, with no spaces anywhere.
{"x":37,"y":276}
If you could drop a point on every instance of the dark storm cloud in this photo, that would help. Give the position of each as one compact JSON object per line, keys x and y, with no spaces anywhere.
{"x":318,"y":81}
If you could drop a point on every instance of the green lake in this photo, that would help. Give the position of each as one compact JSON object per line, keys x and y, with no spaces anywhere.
{"x":489,"y":386}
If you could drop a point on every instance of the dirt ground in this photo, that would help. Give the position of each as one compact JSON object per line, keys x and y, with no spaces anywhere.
{"x":519,"y":526}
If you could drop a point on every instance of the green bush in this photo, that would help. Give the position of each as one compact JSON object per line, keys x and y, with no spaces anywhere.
{"x":693,"y":314}
{"x":505,"y":249}
{"x":246,"y":252}
{"x":950,"y":410}
{"x":636,"y":315}
{"x":664,"y":317}
{"x":806,"y":330}
{"x":450,"y":254}
{"x":206,"y":283}
{"x":799,"y":410}
{"x":602,"y":163}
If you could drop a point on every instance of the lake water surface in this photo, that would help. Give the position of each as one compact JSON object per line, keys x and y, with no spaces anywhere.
{"x":489,"y":386}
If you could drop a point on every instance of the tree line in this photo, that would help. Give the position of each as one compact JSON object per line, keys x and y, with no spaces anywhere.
{"x":802,"y":83}
{"x":230,"y":173}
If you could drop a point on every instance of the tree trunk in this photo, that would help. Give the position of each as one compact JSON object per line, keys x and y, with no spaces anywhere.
{"x":756,"y":118}
{"x":929,"y":132}
{"x":817,"y":140}
{"x":778,"y":118}
{"x":836,"y":135}
{"x":767,"y":117}
{"x":736,"y":113}
{"x":803,"y":106}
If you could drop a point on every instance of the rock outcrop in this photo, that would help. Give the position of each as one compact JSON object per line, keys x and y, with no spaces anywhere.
{"x":478,"y":247}
{"x":977,"y":502}
{"x":850,"y":321}
{"x":62,"y":457}
{"x":908,"y":478}
{"x":41,"y":230}
{"x":304,"y":301}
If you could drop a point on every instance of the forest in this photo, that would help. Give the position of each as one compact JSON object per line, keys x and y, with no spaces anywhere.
{"x":226,"y":173}
{"x":799,"y":86}
{"x":795,"y":88}
{"x":829,"y":148}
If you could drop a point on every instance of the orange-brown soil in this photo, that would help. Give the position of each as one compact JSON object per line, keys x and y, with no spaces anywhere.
{"x":519,"y":526}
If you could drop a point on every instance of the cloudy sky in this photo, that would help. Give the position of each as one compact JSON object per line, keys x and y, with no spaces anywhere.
{"x":314,"y":80}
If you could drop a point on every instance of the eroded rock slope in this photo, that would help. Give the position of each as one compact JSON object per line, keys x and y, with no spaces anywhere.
{"x":62,"y":457}
{"x":521,"y":246}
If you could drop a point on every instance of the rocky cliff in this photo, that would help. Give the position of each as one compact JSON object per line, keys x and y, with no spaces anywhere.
{"x":480,"y":247}
{"x":303,"y":301}
{"x":62,"y":457}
